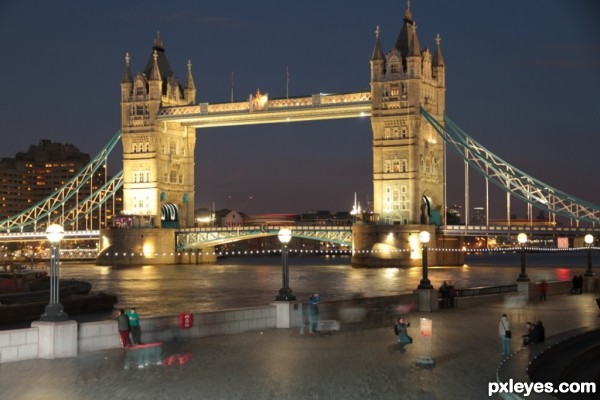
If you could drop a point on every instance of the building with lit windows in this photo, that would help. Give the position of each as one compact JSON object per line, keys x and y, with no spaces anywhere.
{"x":34,"y":175}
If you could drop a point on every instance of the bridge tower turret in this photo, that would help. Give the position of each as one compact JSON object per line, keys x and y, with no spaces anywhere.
{"x":408,"y":156}
{"x":158,"y":165}
{"x":158,"y":156}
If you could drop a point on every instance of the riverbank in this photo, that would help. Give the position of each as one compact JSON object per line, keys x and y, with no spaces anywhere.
{"x":359,"y":362}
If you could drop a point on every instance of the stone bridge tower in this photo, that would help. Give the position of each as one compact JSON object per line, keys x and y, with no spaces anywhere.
{"x":158,"y":166}
{"x":408,"y":155}
{"x":158,"y":156}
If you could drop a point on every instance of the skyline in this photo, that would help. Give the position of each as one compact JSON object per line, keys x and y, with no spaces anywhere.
{"x":521,"y":78}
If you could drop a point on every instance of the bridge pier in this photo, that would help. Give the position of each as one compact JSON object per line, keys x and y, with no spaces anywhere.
{"x":204,"y":255}
{"x":147,"y":246}
{"x":380,"y":246}
{"x":137,"y":246}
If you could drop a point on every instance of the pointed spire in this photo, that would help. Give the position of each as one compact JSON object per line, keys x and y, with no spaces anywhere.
{"x":189,"y":83}
{"x":127,"y":74}
{"x":405,"y":38}
{"x":407,"y":14}
{"x":415,"y":46}
{"x":438,"y":60}
{"x":158,"y":43}
{"x":377,"y":51}
{"x":155,"y":74}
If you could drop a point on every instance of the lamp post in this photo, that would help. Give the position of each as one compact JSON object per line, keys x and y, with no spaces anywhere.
{"x":424,"y":237}
{"x":285,"y":293}
{"x":589,"y":240}
{"x":54,"y":311}
{"x":522,"y":239}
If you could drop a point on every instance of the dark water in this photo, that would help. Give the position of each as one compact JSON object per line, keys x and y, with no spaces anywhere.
{"x":254,"y":281}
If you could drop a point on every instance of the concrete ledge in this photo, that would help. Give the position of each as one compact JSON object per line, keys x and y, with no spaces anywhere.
{"x":18,"y":345}
{"x":474,"y":301}
{"x":210,"y":323}
{"x":94,"y":336}
{"x":56,"y":339}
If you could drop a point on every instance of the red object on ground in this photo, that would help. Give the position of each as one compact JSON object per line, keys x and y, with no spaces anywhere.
{"x":186,"y":320}
{"x":144,"y":346}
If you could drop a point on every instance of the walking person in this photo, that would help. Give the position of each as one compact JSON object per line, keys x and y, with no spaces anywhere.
{"x":123,"y":327}
{"x":505,"y":335}
{"x":134,"y":326}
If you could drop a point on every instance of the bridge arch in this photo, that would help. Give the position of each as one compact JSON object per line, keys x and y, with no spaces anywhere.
{"x":169,"y":216}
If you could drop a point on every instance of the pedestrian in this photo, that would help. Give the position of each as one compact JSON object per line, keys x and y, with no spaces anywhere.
{"x":443,"y":290}
{"x":505,"y":335}
{"x":313,"y":311}
{"x":538,"y":334}
{"x":527,"y":337}
{"x":574,"y":281}
{"x":543,"y":290}
{"x":123,"y":327}
{"x":580,"y":284}
{"x":134,"y":326}
{"x":401,"y":330}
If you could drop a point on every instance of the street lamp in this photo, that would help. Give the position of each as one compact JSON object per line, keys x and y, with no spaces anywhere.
{"x":589,"y":240}
{"x":424,"y":237}
{"x":54,"y":311}
{"x":522,"y":239}
{"x":285,"y":293}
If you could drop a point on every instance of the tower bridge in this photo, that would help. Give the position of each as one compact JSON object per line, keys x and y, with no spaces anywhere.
{"x":410,"y":133}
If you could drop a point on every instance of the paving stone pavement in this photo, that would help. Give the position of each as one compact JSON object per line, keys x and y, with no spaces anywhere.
{"x":359,"y":362}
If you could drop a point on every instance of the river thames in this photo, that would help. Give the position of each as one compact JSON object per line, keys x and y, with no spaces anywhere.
{"x":254,"y":281}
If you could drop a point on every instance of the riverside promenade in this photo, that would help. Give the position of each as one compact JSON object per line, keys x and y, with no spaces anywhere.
{"x":358,"y":362}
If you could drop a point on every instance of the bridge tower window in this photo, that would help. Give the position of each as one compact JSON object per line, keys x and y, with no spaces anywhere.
{"x":404,"y":132}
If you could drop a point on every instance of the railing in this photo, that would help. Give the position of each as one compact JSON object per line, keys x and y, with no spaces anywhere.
{"x":294,"y":103}
{"x":514,"y":229}
{"x":486,"y":290}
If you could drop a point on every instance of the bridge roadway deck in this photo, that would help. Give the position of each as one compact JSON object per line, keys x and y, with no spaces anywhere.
{"x":359,"y":362}
{"x":452,"y":230}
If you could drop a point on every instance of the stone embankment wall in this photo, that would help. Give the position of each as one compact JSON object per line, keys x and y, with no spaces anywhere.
{"x":23,"y":344}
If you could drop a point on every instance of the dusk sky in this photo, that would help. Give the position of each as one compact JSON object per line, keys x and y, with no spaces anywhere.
{"x":523,"y":78}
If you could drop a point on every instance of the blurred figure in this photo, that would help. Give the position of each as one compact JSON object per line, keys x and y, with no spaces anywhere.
{"x":538,"y":334}
{"x":527,"y":336}
{"x":355,"y":313}
{"x":505,"y":335}
{"x":404,"y":308}
{"x":451,"y":295}
{"x":313,"y":311}
{"x":123,"y":327}
{"x":134,"y":326}
{"x":543,"y":290}
{"x":444,"y":292}
{"x":401,"y":330}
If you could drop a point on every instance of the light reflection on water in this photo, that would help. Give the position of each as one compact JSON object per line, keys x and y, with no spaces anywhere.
{"x":245,"y":281}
